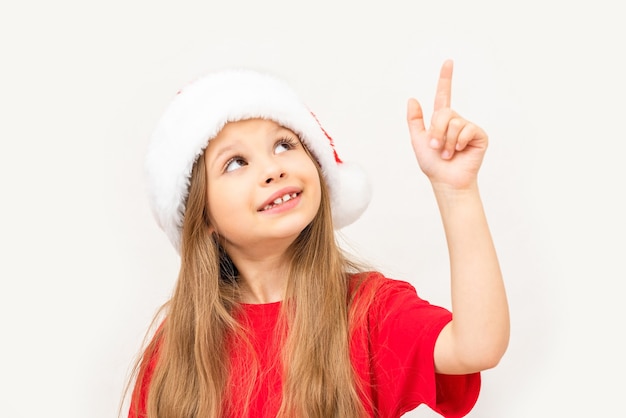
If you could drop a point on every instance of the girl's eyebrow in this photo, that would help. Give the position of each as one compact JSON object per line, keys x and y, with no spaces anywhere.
{"x":226,"y":149}
{"x":233,"y":144}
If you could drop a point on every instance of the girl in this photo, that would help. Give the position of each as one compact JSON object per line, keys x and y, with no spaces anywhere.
{"x":269,"y":318}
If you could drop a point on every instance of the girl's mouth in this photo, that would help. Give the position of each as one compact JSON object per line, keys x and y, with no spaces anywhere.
{"x":279,"y":201}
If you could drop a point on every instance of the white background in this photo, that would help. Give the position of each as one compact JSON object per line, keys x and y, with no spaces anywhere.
{"x":84,"y":267}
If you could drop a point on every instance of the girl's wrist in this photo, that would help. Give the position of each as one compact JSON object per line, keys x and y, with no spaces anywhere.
{"x":454,"y":201}
{"x":447,"y":191}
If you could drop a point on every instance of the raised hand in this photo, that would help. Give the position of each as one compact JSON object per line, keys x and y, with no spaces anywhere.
{"x":451,"y":150}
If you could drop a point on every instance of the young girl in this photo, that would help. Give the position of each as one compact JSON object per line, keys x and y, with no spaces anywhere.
{"x":269,"y":318}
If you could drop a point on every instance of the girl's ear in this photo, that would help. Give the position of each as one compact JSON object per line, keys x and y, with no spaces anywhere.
{"x":207,"y":221}
{"x":212,"y":231}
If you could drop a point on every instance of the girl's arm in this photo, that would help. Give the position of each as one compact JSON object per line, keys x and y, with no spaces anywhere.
{"x":450,"y":153}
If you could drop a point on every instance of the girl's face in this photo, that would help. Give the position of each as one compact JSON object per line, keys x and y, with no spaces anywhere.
{"x":262,"y":186}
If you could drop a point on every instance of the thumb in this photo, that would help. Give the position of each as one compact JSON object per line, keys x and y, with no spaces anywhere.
{"x":415,"y":117}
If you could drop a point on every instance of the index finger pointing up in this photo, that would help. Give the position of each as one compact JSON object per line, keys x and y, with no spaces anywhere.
{"x":443,"y":96}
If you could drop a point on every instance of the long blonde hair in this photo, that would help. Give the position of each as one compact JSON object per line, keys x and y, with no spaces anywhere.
{"x":192,"y":373}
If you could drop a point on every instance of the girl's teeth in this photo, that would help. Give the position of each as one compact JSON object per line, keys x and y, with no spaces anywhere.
{"x":280,"y":200}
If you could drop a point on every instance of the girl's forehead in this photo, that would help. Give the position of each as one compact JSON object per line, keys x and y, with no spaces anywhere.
{"x":239,"y":133}
{"x":248,"y":127}
{"x":253,"y":122}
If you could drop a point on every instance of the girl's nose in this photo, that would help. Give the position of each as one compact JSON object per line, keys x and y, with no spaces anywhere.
{"x":272,"y":170}
{"x":274,"y":177}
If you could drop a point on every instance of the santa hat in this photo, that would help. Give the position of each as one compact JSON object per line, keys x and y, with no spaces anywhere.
{"x":199,"y":112}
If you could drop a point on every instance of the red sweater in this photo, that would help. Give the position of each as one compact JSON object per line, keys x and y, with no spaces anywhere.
{"x":396,"y":361}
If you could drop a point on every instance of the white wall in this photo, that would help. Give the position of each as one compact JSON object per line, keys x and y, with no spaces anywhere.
{"x":83,"y":266}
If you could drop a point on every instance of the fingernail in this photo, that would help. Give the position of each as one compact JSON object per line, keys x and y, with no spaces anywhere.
{"x":434,"y":143}
{"x":445,"y":155}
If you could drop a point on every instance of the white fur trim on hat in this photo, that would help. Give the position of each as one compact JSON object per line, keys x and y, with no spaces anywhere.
{"x":200,"y":111}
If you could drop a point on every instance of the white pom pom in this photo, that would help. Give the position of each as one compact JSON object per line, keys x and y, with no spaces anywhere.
{"x":351,"y":196}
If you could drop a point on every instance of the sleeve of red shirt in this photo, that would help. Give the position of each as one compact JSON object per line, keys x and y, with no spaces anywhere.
{"x":403,"y":332}
{"x":139,"y":400}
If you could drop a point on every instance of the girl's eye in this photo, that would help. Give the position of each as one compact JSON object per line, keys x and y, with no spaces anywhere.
{"x":234,"y":163}
{"x":285,"y":144}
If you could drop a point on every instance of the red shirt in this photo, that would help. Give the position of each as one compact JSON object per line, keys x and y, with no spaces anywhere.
{"x":396,"y":361}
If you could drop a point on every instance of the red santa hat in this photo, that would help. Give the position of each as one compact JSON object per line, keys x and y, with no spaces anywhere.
{"x":198,"y":113}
